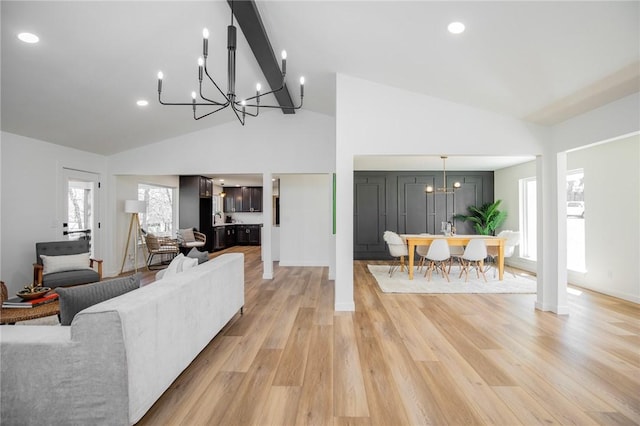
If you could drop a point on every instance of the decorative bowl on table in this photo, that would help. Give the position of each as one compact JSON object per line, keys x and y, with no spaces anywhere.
{"x":29,"y":293}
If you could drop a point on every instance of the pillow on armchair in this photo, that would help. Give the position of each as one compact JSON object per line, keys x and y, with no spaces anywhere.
{"x":186,"y":235}
{"x":75,"y":299}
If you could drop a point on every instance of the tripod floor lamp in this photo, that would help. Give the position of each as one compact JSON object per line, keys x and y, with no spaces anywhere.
{"x":133,"y":207}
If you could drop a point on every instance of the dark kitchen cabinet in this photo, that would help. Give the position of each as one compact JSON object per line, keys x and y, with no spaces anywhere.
{"x":233,"y":200}
{"x":254,"y":235}
{"x":248,"y":235}
{"x":230,"y":238}
{"x":206,"y":187}
{"x":196,"y":210}
{"x":252,"y":199}
{"x":247,"y":199}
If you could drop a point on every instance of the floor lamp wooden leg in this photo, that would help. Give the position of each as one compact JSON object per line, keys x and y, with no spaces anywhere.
{"x":126,"y":247}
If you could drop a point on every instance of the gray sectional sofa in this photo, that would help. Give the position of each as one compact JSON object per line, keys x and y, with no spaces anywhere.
{"x":117,"y":357}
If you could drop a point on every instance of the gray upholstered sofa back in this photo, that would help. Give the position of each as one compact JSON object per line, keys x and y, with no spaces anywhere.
{"x":61,"y":248}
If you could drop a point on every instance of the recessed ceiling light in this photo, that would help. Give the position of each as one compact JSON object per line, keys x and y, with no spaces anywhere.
{"x":28,"y":37}
{"x":456,"y":27}
{"x":142,"y":102}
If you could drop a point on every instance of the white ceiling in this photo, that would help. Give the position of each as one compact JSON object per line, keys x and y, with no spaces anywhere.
{"x":541,"y":61}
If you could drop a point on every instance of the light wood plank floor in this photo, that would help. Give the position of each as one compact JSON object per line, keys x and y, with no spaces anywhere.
{"x":408,"y":359}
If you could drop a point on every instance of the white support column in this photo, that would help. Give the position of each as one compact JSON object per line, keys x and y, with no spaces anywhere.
{"x":267,"y":224}
{"x":552,"y":233}
{"x":344,"y":300}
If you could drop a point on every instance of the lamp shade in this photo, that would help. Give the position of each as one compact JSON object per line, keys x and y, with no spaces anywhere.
{"x":134,"y":206}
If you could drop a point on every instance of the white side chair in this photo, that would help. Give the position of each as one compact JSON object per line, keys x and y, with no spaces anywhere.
{"x":397,"y":248}
{"x":474,"y":253}
{"x":513,"y":239}
{"x":438,"y":256}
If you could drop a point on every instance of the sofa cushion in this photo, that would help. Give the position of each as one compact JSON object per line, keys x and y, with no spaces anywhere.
{"x":72,"y":262}
{"x":202,"y":256}
{"x":75,"y":299}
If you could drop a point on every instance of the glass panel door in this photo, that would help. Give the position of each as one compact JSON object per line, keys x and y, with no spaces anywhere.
{"x":80,"y":208}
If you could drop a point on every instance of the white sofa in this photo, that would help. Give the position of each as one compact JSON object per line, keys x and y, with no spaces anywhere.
{"x":119,"y":356}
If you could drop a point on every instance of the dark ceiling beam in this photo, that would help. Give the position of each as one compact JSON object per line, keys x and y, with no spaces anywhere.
{"x":249,"y":21}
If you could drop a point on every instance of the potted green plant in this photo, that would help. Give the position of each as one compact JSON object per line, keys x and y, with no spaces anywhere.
{"x":486,"y":218}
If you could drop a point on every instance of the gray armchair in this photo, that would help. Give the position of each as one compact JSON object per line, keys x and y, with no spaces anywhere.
{"x":64,"y":276}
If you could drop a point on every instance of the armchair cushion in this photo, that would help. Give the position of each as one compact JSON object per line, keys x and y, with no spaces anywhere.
{"x":71,"y":262}
{"x":75,"y":299}
{"x":68,"y":278}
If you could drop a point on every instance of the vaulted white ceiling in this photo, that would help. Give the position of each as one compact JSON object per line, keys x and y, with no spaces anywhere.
{"x":538,"y":61}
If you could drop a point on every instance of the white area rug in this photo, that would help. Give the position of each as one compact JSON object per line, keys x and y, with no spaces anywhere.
{"x":400,"y":283}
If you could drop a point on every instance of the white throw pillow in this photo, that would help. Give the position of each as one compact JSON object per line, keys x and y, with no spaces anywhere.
{"x":175,"y":264}
{"x":187,"y":235}
{"x":72,"y":262}
{"x":189,"y":263}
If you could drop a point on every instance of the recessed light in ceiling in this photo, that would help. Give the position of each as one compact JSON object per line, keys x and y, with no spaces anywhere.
{"x":28,"y":37}
{"x":142,"y":102}
{"x":456,"y":27}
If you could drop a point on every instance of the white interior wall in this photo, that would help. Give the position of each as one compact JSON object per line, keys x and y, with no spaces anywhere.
{"x":305,"y":220}
{"x":507,"y":188}
{"x":612,"y":210}
{"x":277,"y":143}
{"x":32,"y":201}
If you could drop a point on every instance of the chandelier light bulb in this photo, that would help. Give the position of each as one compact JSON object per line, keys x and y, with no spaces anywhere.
{"x":302,"y":80}
{"x":205,"y":33}
{"x":243,"y":103}
{"x":457,"y":184}
{"x":258,"y":87}
{"x":200,"y":61}
{"x":284,"y":54}
{"x":193,"y":95}
{"x":160,"y":75}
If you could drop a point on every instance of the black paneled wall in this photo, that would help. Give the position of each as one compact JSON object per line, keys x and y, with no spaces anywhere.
{"x":397,"y":201}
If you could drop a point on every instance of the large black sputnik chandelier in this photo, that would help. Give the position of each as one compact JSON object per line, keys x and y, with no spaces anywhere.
{"x":247,"y":106}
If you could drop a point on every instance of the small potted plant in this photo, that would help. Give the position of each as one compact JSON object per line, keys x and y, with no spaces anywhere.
{"x":486,"y":218}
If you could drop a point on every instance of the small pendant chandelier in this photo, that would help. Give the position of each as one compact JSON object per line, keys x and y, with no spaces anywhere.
{"x":247,"y":106}
{"x":456,"y":185}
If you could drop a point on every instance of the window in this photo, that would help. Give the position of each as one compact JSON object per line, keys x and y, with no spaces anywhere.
{"x":159,"y":216}
{"x":528,"y":218}
{"x":575,"y":221}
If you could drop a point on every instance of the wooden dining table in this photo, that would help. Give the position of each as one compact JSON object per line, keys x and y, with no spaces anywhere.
{"x":414,"y":240}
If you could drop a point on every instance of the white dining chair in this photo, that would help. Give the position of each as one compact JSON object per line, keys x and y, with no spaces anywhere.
{"x":474,"y":254}
{"x":397,"y":249}
{"x":512,"y":240}
{"x":438,"y":256}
